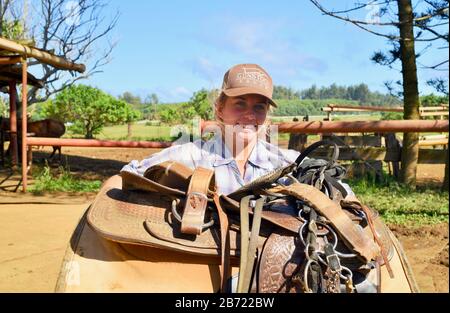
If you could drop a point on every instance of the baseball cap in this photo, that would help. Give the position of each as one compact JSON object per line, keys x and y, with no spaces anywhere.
{"x":244,"y":79}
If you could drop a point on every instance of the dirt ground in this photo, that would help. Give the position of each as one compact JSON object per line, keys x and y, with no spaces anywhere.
{"x":34,"y":230}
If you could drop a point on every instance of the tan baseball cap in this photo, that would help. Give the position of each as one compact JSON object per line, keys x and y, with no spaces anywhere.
{"x":245,"y":79}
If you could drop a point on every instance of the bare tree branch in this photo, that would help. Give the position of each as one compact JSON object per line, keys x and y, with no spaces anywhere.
{"x":435,"y":67}
{"x":74,"y":29}
{"x":418,"y":22}
{"x":356,"y":22}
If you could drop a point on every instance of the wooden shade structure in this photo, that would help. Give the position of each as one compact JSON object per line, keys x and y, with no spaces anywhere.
{"x":13,"y":70}
{"x":14,"y":73}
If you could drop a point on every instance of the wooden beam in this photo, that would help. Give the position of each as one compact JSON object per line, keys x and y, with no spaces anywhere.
{"x":404,"y":126}
{"x":10,"y":60}
{"x":13,"y":122}
{"x":336,"y":107}
{"x":435,"y":108}
{"x":42,"y":141}
{"x":436,"y":113}
{"x":360,"y":154}
{"x":432,"y":156}
{"x":371,"y":141}
{"x":40,"y":55}
{"x":433,"y":142}
{"x":426,"y":156}
{"x":24,"y":124}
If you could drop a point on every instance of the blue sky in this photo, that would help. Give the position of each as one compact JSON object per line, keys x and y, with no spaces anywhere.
{"x":175,"y":47}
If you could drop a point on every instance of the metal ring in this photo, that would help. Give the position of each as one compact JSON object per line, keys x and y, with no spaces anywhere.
{"x":324,"y":225}
{"x":305,"y":274}
{"x":179,"y":219}
{"x":350,"y":274}
{"x":346,"y":255}
{"x":340,"y":254}
{"x":174,"y":210}
{"x":300,"y":233}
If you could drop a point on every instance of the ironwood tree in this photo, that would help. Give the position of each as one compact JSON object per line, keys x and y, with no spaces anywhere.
{"x":407,"y":23}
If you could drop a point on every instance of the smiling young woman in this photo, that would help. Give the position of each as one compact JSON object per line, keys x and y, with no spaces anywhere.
{"x":238,"y":153}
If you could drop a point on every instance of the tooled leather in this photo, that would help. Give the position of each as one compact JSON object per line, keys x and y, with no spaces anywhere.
{"x":280,"y":261}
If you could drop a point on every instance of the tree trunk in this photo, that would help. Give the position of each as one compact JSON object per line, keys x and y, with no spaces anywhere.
{"x":129,"y":130}
{"x":445,"y":184}
{"x":89,"y":134}
{"x":410,"y":149}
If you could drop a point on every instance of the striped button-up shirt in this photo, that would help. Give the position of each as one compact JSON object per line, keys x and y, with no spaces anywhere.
{"x":214,"y":154}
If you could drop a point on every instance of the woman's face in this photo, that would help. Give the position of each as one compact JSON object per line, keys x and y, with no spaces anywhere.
{"x":244,"y":114}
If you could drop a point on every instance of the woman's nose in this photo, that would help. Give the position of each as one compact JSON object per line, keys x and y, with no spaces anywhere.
{"x":248,"y":118}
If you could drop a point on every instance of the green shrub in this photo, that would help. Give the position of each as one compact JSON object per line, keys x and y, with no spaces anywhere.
{"x":400,"y":204}
{"x":45,"y":181}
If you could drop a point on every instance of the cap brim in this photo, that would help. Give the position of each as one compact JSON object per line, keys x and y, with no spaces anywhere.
{"x":235,"y":92}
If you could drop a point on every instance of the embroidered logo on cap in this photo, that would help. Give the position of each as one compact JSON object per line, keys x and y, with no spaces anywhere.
{"x":254,"y":77}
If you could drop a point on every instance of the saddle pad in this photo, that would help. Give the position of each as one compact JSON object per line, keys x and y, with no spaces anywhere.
{"x":143,"y":218}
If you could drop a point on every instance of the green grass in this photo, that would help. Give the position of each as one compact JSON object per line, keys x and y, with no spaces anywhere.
{"x":47,"y":180}
{"x":138,"y":131}
{"x":402,"y":205}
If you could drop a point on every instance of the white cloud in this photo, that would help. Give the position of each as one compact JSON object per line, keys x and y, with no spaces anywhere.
{"x":260,"y":41}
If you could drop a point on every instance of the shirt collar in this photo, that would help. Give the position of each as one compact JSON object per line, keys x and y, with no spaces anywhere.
{"x":220,"y":151}
{"x":260,"y":156}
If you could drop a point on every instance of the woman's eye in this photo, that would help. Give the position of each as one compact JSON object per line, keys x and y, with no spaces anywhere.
{"x":260,"y":108}
{"x":240,"y":105}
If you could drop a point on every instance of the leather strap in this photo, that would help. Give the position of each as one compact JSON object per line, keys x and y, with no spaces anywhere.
{"x":251,"y":254}
{"x":351,"y":199}
{"x":192,"y":221}
{"x":170,"y":174}
{"x":132,"y":181}
{"x":354,"y":237}
{"x":378,"y":241}
{"x":244,"y":229}
{"x":248,"y":245}
{"x":225,"y":269}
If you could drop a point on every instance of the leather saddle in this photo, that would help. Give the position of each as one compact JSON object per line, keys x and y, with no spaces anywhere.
{"x":173,"y":207}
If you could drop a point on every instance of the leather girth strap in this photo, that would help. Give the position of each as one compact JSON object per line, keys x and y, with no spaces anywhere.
{"x":201,"y":184}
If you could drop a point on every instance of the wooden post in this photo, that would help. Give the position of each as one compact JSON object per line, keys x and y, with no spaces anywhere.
{"x":24,"y":123}
{"x":2,"y":142}
{"x":392,"y":143}
{"x":297,"y":142}
{"x":13,"y":123}
{"x":445,"y":184}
